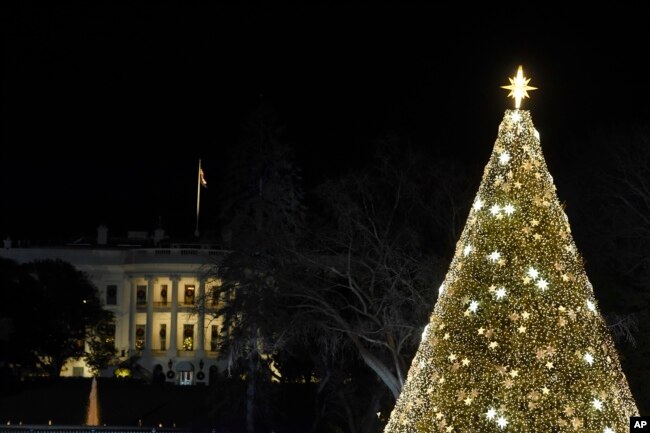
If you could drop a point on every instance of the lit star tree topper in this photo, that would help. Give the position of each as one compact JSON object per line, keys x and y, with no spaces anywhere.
{"x":519,"y":87}
{"x":519,"y":311}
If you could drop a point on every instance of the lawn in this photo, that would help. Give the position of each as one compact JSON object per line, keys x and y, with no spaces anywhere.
{"x":121,"y":403}
{"x":133,"y":403}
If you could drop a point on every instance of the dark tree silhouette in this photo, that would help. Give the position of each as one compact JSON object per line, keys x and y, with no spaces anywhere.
{"x":262,"y":217}
{"x":15,"y":325}
{"x":618,"y":204}
{"x":378,"y":255}
{"x":65,"y":306}
{"x":101,"y":342}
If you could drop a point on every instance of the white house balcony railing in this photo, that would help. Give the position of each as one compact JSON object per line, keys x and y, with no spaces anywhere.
{"x":174,"y":255}
{"x":161,"y":305}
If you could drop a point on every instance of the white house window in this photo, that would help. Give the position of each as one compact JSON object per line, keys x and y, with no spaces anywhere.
{"x":140,"y":331}
{"x":141,"y":295}
{"x":189,"y":295}
{"x":111,"y":294}
{"x":163,"y":294}
{"x":163,"y":336}
{"x":214,"y":337}
{"x":188,"y":337}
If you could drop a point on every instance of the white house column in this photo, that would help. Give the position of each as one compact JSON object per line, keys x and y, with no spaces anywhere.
{"x":173,"y":326}
{"x":148,"y":335}
{"x":132,"y":300}
{"x":201,"y":323}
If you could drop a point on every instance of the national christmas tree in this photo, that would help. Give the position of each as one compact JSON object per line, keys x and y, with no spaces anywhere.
{"x":516,"y":342}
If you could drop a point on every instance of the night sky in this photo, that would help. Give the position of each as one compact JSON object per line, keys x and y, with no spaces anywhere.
{"x":107,"y":105}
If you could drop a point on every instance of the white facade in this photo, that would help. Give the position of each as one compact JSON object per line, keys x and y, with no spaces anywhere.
{"x":153,"y":294}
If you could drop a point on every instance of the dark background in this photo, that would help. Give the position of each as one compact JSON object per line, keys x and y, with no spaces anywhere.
{"x":107,"y":105}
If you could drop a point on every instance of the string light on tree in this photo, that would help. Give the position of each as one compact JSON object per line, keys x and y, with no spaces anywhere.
{"x":515,"y":116}
{"x":516,"y":314}
{"x":598,"y":405}
{"x":494,"y":256}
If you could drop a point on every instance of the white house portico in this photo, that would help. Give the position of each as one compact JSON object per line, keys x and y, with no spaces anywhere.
{"x":154,"y":295}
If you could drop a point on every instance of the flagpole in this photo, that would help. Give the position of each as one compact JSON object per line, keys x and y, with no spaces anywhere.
{"x":198,"y":200}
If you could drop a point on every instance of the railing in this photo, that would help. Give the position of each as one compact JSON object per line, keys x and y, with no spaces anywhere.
{"x":174,"y":255}
{"x":181,"y":304}
{"x":178,"y":252}
{"x":95,"y":429}
{"x":162,"y":304}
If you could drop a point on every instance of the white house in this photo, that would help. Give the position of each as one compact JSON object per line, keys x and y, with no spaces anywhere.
{"x":153,"y":291}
